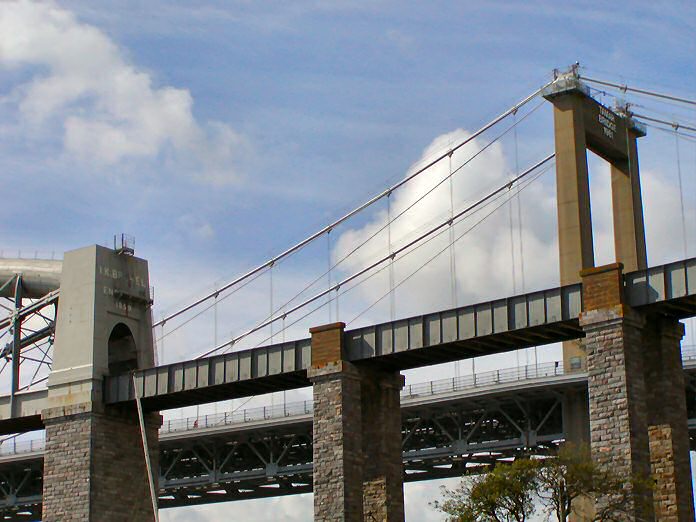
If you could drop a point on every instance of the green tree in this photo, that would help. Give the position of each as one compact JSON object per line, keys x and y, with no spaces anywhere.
{"x":622,"y":496}
{"x":510,"y":492}
{"x":505,"y":494}
{"x":562,"y":480}
{"x":573,"y":474}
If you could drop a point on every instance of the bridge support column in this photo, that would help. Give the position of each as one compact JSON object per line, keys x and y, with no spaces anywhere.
{"x":337,"y":443}
{"x":358,"y":472}
{"x":668,"y":430}
{"x":576,"y":427}
{"x":616,"y":386}
{"x":383,"y":493}
{"x":94,"y":467}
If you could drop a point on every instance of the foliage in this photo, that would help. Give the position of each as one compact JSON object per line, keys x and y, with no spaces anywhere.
{"x":620,"y":496}
{"x":508,"y":493}
{"x":573,"y":474}
{"x":502,"y":495}
{"x":562,"y":480}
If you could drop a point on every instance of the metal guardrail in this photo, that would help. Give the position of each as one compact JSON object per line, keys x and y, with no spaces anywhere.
{"x":300,"y":408}
{"x":15,"y":447}
{"x":520,"y":373}
{"x":425,"y":389}
{"x":430,"y":388}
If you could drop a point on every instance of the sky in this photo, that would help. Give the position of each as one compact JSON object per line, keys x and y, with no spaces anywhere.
{"x":220,"y":133}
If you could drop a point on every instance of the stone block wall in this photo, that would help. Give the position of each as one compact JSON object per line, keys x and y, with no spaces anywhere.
{"x":94,"y":467}
{"x":668,"y":430}
{"x":66,"y":475}
{"x":120,"y":487}
{"x":358,"y":470}
{"x":638,"y":419}
{"x":617,"y":397}
{"x":337,"y":440}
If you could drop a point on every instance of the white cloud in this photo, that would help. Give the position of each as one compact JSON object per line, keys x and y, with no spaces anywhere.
{"x":196,"y":227}
{"x":107,"y":109}
{"x":482,"y":256}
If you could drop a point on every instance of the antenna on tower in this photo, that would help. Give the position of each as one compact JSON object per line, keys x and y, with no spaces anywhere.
{"x":124,"y":244}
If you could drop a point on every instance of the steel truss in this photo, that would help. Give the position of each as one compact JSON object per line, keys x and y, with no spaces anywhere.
{"x":27,"y":333}
{"x":440,"y":438}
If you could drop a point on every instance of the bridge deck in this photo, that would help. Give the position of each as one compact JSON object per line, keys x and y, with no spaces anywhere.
{"x":450,"y":427}
{"x":495,"y":326}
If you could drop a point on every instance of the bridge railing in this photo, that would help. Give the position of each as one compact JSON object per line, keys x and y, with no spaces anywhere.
{"x":15,"y":447}
{"x":288,"y":409}
{"x":299,"y":408}
{"x":436,"y":387}
{"x":411,"y":391}
{"x":490,"y":378}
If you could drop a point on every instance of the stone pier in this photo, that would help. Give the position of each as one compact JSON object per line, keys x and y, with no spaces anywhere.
{"x":668,"y":431}
{"x":358,"y":473}
{"x":638,"y":421}
{"x":94,"y":468}
{"x":616,"y":386}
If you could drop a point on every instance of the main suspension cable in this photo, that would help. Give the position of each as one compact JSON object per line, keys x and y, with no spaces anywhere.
{"x":353,"y":212}
{"x":625,"y":88}
{"x":491,"y":202}
{"x":375,"y":264}
{"x":440,"y":252}
{"x":409,"y":207}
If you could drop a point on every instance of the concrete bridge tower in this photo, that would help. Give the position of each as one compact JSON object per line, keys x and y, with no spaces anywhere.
{"x":635,"y":407}
{"x":94,"y":465}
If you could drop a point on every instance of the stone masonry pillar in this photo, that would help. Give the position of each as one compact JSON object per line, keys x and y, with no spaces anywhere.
{"x":668,"y":430}
{"x":357,"y":468}
{"x":94,"y":467}
{"x":383,"y":494}
{"x":616,"y":386}
{"x":337,"y":443}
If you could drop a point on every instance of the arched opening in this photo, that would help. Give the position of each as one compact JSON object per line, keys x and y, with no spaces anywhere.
{"x":123,"y":355}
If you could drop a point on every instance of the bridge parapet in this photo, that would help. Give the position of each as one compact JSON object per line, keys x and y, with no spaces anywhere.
{"x":495,"y":326}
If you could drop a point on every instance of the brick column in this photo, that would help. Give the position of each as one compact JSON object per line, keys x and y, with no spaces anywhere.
{"x":94,"y":467}
{"x":668,"y":430}
{"x":358,"y":472}
{"x":616,"y":386}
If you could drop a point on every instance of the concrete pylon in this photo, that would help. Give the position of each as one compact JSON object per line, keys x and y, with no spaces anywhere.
{"x":581,"y":124}
{"x":94,"y":466}
{"x":358,"y":472}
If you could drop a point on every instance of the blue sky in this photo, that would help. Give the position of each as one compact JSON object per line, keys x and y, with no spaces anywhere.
{"x":219,"y":133}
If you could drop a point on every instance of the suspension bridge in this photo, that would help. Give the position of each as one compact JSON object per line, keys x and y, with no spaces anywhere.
{"x":81,"y":362}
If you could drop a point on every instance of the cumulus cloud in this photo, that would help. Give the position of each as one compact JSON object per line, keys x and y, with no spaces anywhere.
{"x":78,"y":83}
{"x":483,"y":257}
{"x":195,"y":227}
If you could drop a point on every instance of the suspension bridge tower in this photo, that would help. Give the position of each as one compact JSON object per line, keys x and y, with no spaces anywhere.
{"x":94,"y":466}
{"x":633,"y":360}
